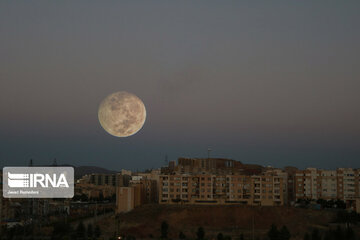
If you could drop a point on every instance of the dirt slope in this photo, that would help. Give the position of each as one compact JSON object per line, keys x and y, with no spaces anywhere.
{"x":230,"y":220}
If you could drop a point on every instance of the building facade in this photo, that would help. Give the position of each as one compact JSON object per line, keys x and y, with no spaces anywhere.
{"x":342,"y":184}
{"x":141,"y":190}
{"x":267,"y":189}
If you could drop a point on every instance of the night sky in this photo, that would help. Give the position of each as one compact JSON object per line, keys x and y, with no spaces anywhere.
{"x":266,"y":82}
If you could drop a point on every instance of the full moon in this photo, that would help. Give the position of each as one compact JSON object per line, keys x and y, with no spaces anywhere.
{"x":122,"y":114}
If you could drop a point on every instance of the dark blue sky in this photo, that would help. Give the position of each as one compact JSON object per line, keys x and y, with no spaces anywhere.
{"x":268,"y":82}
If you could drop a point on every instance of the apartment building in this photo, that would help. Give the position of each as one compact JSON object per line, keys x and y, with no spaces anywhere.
{"x":141,"y":190}
{"x":125,"y":199}
{"x":101,"y":179}
{"x":343,"y":184}
{"x":266,"y":190}
{"x":219,"y":166}
{"x":94,"y":191}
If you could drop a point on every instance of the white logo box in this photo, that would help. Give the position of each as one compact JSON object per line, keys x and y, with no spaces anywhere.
{"x":38,"y":182}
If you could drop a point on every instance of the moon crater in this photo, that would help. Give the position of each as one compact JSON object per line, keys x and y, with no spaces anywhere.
{"x":122,"y":114}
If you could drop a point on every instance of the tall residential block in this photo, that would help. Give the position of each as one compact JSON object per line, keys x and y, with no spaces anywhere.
{"x":342,"y":184}
{"x":265,"y":189}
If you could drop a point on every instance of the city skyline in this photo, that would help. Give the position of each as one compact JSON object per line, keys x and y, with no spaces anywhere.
{"x":270,"y":84}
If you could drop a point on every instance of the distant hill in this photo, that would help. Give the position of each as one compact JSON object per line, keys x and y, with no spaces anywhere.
{"x":83,"y":170}
{"x":221,"y":163}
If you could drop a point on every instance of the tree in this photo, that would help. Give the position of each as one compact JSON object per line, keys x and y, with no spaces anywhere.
{"x":200,"y":233}
{"x":306,"y":236}
{"x":164,"y":229}
{"x":220,"y":236}
{"x":284,"y":233}
{"x":130,"y":237}
{"x":60,"y":228}
{"x":80,"y":231}
{"x":241,"y":236}
{"x":329,"y":235}
{"x":340,"y":204}
{"x":273,"y":233}
{"x":10,"y":233}
{"x":182,"y":235}
{"x":113,"y":197}
{"x":339,"y":233}
{"x":101,"y":197}
{"x":84,"y":198}
{"x":90,"y":231}
{"x":315,"y":235}
{"x":97,"y":231}
{"x":349,"y":234}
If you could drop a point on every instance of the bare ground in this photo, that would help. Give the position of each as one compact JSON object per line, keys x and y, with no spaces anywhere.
{"x":231,"y":220}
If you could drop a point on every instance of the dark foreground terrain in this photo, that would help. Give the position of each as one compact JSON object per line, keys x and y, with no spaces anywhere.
{"x":145,"y":221}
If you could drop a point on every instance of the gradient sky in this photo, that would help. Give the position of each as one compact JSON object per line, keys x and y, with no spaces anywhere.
{"x":267,"y":82}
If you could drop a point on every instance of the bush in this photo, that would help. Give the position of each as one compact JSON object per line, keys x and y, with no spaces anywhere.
{"x":241,"y":237}
{"x":90,"y":232}
{"x":182,"y":235}
{"x":273,"y":233}
{"x":80,"y":231}
{"x":97,"y":231}
{"x":284,"y":233}
{"x":164,"y":229}
{"x":315,"y":235}
{"x":306,"y":236}
{"x":200,"y":233}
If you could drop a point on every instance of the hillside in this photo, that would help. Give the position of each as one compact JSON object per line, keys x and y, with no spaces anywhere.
{"x":83,"y":170}
{"x":230,"y":220}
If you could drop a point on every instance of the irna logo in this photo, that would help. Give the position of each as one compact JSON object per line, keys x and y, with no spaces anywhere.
{"x":38,"y":182}
{"x":18,"y":180}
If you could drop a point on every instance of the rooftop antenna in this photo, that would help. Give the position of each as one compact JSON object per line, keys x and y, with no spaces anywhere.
{"x":31,"y":163}
{"x":166,"y":160}
{"x":54,"y":162}
{"x":209,"y":150}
